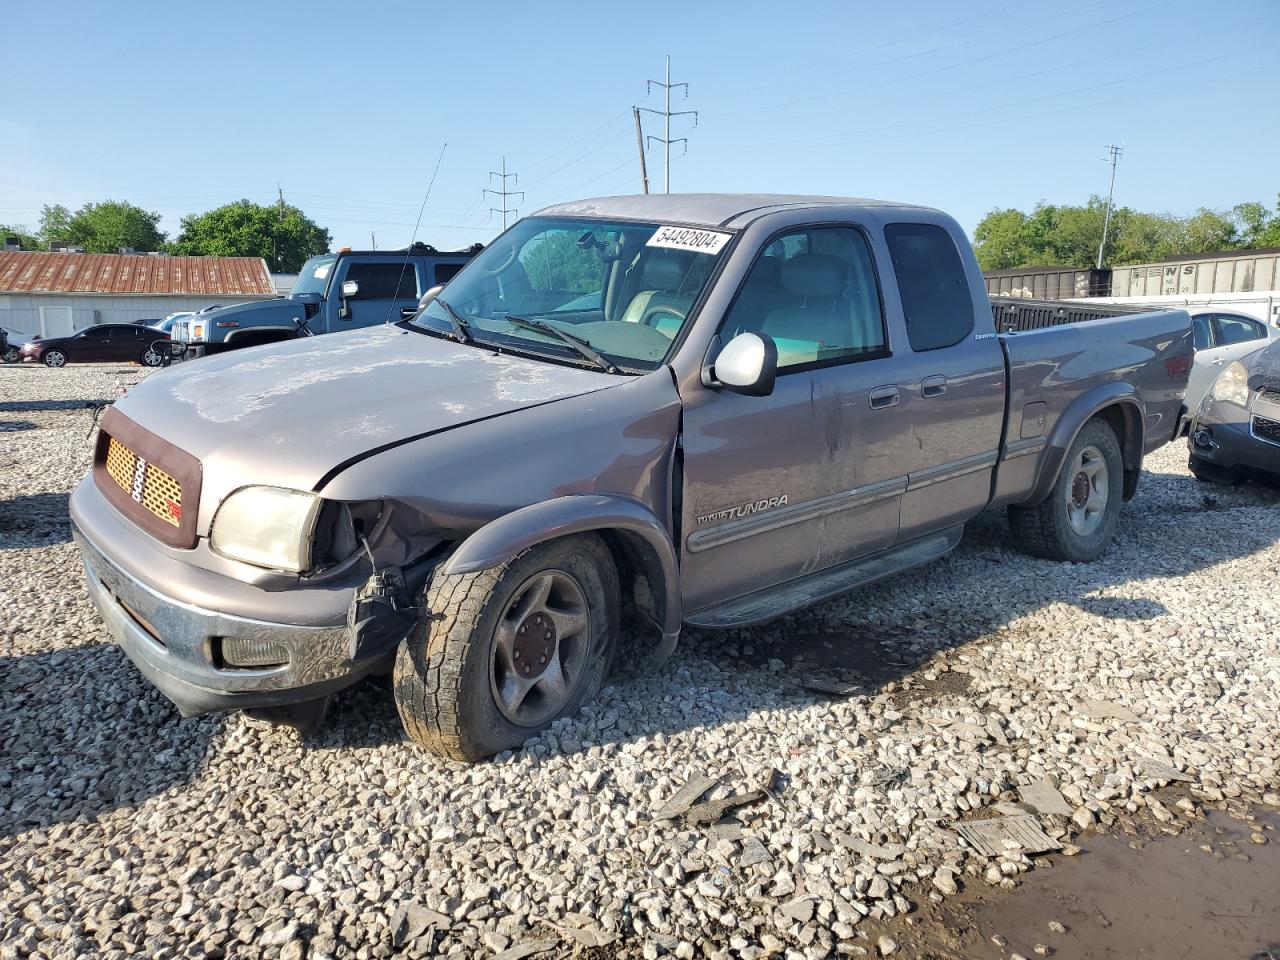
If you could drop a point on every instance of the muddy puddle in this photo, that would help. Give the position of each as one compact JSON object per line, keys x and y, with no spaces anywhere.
{"x":1209,"y":893}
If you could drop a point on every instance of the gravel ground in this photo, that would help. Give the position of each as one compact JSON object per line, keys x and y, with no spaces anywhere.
{"x":125,"y":830}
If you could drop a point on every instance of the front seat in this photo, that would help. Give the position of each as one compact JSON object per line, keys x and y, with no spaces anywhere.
{"x":660,"y":304}
{"x":821,"y":316}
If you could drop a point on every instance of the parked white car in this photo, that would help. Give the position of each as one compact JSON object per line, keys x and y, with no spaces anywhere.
{"x":1221,"y":337}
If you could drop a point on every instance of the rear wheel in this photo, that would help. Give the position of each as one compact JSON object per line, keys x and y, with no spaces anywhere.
{"x":510,"y":649}
{"x":55,"y":358}
{"x":11,"y":355}
{"x":1076,"y":520}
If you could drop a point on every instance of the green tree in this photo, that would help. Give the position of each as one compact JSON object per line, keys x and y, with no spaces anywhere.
{"x":27,"y":239}
{"x":55,"y":224}
{"x":285,"y":238}
{"x":1257,"y":226}
{"x":103,"y":227}
{"x":1003,"y":239}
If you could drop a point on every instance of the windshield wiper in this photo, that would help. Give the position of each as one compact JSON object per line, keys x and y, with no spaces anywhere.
{"x":577,"y":343}
{"x":461,"y":333}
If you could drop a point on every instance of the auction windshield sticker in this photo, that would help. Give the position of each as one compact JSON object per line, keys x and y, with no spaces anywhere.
{"x":689,"y":238}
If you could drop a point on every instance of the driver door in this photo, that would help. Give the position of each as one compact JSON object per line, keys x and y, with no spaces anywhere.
{"x":384,"y":287}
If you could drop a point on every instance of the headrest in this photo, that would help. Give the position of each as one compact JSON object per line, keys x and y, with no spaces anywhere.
{"x":662,"y":272}
{"x":813,"y":275}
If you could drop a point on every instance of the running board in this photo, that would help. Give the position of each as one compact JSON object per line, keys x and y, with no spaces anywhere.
{"x":773,"y":602}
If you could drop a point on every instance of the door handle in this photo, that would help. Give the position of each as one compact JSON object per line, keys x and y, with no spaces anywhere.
{"x":934,"y":386}
{"x":886,"y":396}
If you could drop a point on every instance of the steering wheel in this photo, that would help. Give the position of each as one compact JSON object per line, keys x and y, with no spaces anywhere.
{"x":511,"y":257}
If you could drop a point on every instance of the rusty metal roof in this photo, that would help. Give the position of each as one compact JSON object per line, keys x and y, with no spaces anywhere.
{"x":133,"y":275}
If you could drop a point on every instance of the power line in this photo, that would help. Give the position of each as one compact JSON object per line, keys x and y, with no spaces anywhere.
{"x":666,"y":115}
{"x":503,"y":192}
{"x":1113,"y":157}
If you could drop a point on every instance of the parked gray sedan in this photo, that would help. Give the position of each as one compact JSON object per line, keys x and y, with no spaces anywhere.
{"x":1221,"y":338}
{"x":1237,"y":429}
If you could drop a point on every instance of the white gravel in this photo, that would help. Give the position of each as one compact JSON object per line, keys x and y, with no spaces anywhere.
{"x":127,"y":831}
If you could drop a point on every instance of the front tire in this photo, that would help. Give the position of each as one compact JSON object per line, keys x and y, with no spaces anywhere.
{"x":151,"y":357}
{"x":508,"y":650}
{"x":1078,"y":517}
{"x":55,"y":358}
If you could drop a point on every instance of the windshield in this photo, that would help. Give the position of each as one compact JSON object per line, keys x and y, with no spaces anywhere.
{"x":314,"y":276}
{"x":625,"y":288}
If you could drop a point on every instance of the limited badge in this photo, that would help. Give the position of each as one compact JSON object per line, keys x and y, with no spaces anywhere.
{"x":689,"y":238}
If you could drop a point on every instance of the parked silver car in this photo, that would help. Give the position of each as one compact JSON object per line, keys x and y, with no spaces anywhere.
{"x":709,"y":409}
{"x":1221,"y":338}
{"x":1236,"y":431}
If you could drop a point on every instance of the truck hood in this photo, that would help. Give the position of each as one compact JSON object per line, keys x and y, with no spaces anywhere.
{"x":286,"y":414}
{"x":279,"y":311}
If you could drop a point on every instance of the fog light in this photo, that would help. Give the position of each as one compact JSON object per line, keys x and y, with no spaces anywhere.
{"x":1203,"y":438}
{"x":243,"y":652}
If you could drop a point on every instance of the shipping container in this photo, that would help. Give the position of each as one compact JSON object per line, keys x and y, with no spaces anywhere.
{"x":1244,"y":271}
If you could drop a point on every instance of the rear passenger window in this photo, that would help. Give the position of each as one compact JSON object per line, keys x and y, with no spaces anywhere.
{"x":447,"y":271}
{"x":379,"y":281}
{"x":1200,"y":332}
{"x":936,"y":302}
{"x":814,"y":292}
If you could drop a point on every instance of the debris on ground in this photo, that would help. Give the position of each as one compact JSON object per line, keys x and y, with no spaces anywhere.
{"x":686,"y":797}
{"x":995,"y":838}
{"x":1044,"y":798}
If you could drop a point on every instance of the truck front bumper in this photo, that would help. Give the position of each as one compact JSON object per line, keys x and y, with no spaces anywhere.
{"x":177,"y":645}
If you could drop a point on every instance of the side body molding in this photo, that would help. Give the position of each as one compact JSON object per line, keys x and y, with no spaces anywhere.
{"x":512,"y":533}
{"x":1078,"y":413}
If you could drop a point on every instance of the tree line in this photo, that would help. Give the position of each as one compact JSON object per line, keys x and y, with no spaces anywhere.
{"x":282,"y":235}
{"x":1062,"y":235}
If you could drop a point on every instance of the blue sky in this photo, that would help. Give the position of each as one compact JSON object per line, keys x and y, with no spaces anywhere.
{"x":965,"y":106}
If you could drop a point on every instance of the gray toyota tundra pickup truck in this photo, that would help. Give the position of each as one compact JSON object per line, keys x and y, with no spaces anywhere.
{"x":701,"y":409}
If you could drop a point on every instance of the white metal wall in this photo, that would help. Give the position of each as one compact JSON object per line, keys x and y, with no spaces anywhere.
{"x":20,"y":312}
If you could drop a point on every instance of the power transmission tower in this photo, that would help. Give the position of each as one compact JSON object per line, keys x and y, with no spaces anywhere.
{"x":503,"y":176}
{"x":666,"y":115}
{"x":1113,"y":157}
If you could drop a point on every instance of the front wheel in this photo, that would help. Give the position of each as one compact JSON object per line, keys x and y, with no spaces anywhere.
{"x":151,"y":357}
{"x":1076,"y":520}
{"x":508,"y":650}
{"x":55,"y":358}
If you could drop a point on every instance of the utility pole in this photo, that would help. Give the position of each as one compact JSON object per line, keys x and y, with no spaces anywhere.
{"x":503,"y":176}
{"x":275,"y":235}
{"x":373,"y":240}
{"x":666,"y":115}
{"x":644,"y":170}
{"x":1113,"y":157}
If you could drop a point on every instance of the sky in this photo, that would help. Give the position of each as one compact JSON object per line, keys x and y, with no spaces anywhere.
{"x":349,"y":108}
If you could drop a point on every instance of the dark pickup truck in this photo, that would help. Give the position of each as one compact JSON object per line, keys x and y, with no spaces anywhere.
{"x":333,"y":292}
{"x":710,"y":410}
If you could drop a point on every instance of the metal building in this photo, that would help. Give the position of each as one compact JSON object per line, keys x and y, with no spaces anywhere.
{"x":54,"y":294}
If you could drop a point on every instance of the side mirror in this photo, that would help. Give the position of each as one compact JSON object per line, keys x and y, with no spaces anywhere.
{"x":349,"y":289}
{"x":426,"y":298}
{"x":748,"y":364}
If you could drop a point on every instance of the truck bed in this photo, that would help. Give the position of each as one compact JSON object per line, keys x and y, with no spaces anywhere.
{"x":1063,"y":360}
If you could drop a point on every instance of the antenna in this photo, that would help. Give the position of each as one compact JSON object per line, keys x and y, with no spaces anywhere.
{"x":408,"y":251}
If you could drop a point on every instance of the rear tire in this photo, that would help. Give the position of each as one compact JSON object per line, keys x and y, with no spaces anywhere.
{"x":11,"y":355}
{"x":1078,"y":517}
{"x":456,"y":679}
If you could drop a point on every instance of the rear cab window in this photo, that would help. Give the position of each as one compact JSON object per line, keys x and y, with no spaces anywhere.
{"x":936,"y":301}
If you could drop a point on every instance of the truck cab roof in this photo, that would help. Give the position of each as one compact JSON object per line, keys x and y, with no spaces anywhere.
{"x":723,"y":210}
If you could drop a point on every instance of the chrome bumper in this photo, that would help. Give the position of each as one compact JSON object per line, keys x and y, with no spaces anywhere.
{"x":174,"y":645}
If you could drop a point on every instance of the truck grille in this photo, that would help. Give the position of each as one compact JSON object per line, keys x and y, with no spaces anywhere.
{"x":1266,"y":429}
{"x":149,"y":480}
{"x":145,"y":483}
